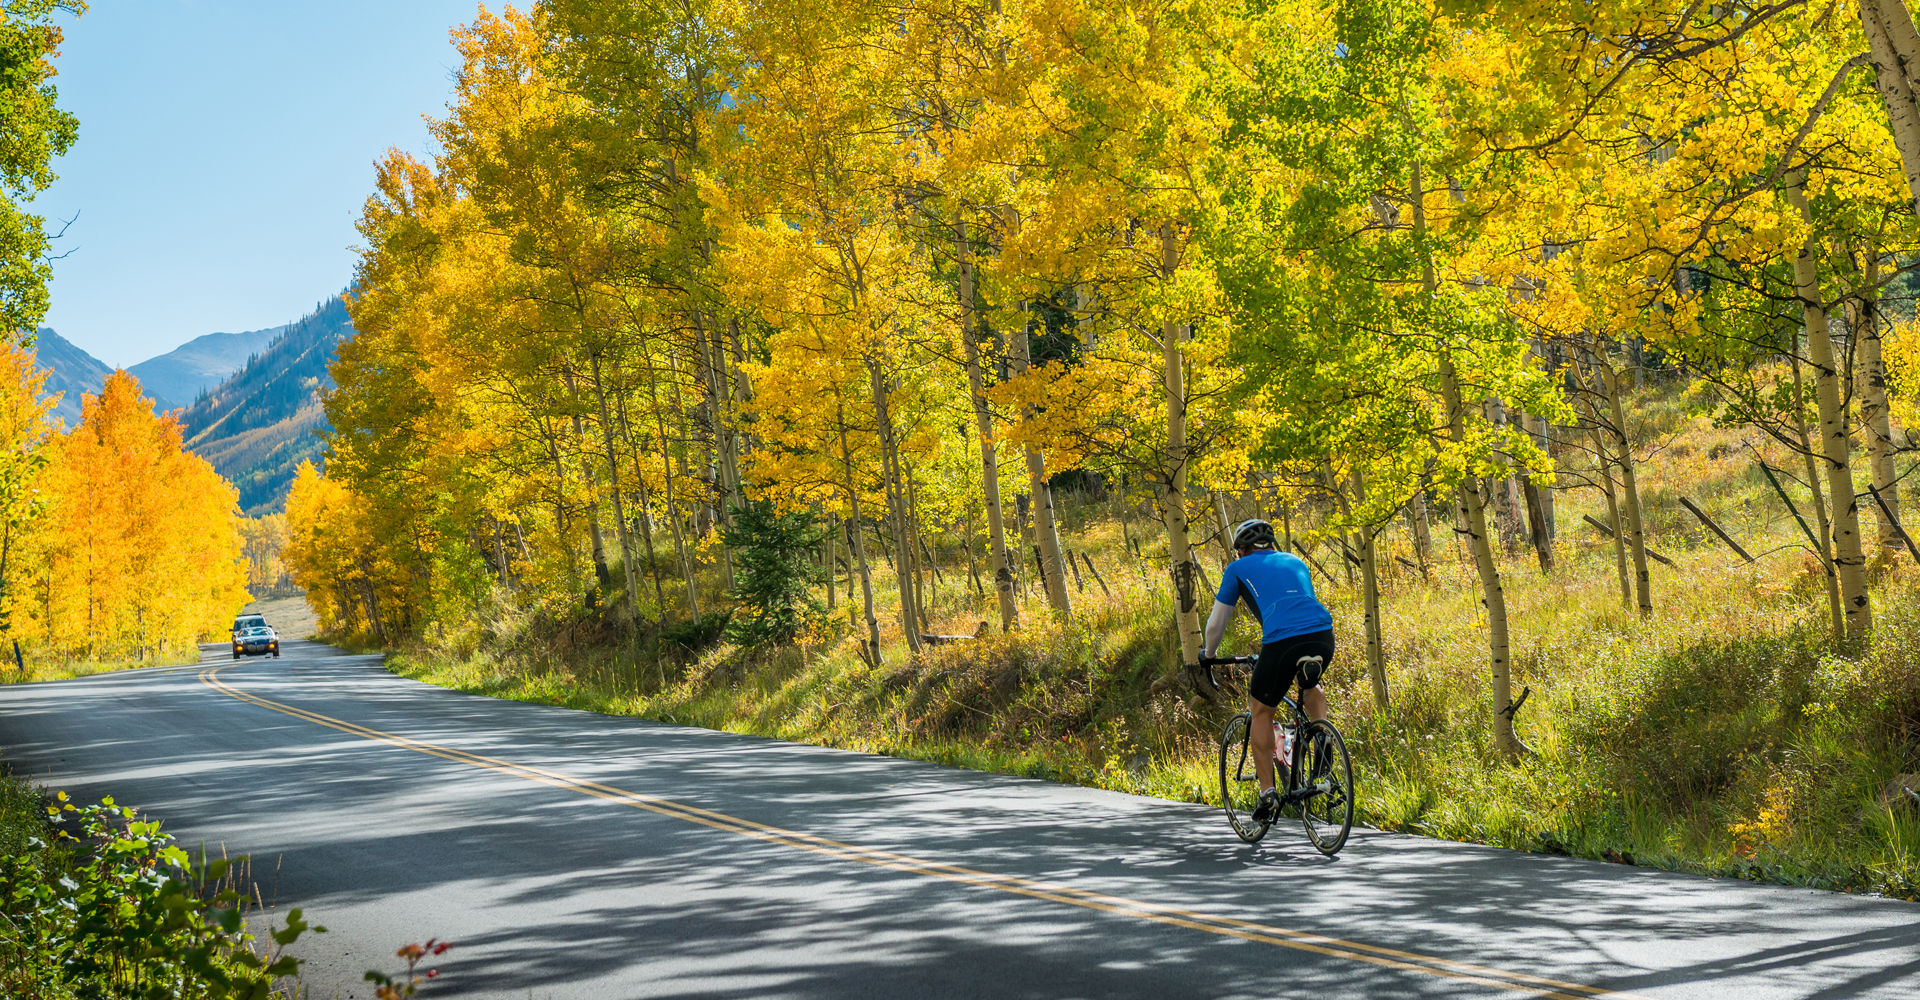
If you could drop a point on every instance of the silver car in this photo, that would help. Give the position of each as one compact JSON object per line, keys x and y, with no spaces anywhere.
{"x":256,"y":640}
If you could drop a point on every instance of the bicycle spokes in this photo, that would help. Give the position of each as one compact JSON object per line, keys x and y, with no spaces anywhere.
{"x":1328,"y":808}
{"x":1239,"y":780}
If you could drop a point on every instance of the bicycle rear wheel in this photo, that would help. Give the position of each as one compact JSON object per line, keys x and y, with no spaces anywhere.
{"x":1329,"y":811}
{"x":1239,"y":783}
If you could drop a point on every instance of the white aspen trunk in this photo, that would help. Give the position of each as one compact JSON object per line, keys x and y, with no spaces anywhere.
{"x":1836,"y":445}
{"x":904,"y":561}
{"x":1894,"y":48}
{"x":1507,"y":487}
{"x":689,"y":556}
{"x":1493,"y":593}
{"x":562,"y":523}
{"x":1875,"y":415}
{"x":1474,"y":512}
{"x":725,"y":474}
{"x":989,"y":460}
{"x":613,"y":472}
{"x":1812,"y":469}
{"x":832,"y":591}
{"x":1629,"y":486}
{"x":1620,"y":561}
{"x":673,"y":510}
{"x":1227,"y":552}
{"x":1083,"y":306}
{"x":680,"y":551}
{"x":1173,"y":470}
{"x":1046,"y":531}
{"x":1370,"y":600}
{"x":1530,"y":501}
{"x":1603,"y":465}
{"x":973,"y":561}
{"x":645,"y":514}
{"x":602,"y":575}
{"x":1543,"y":436}
{"x":926,"y":592}
{"x":1422,"y":527}
{"x":857,"y":537}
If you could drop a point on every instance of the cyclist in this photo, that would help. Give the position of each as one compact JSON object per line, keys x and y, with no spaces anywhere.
{"x":1277,"y":587}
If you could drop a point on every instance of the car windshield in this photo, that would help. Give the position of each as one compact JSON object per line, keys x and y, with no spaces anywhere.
{"x":250,"y":622}
{"x":260,"y":631}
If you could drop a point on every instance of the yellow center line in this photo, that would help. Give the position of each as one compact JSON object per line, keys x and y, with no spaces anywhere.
{"x":1015,"y":885}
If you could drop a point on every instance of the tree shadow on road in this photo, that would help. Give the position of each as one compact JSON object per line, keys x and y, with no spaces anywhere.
{"x":548,"y":889}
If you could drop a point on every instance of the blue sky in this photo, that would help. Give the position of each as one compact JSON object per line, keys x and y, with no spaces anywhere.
{"x":226,"y":148}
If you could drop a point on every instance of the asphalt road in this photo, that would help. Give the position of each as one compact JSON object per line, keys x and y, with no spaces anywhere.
{"x":574,"y":855}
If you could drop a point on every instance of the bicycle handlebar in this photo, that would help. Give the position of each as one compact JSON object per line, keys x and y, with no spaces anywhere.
{"x":1209,"y":662}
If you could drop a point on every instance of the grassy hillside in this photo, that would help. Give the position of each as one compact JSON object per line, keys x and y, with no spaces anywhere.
{"x":258,"y":426}
{"x":1721,"y":735}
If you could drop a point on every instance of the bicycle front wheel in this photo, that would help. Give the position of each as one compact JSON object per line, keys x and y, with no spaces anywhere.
{"x":1328,"y":812}
{"x":1239,"y":783}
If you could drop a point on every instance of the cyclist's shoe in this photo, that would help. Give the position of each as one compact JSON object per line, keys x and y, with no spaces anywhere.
{"x":1269,"y":808}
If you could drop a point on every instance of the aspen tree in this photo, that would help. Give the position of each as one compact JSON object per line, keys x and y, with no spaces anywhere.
{"x":1836,"y":441}
{"x":1608,"y":382}
{"x":138,"y":548}
{"x":1865,"y":323}
{"x":1893,"y":46}
{"x":24,"y":431}
{"x":1803,"y":438}
{"x":989,"y":459}
{"x":1046,"y":532}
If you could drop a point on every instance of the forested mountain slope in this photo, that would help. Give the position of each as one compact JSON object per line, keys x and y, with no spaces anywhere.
{"x":70,"y":372}
{"x":177,"y":378}
{"x":257,"y":426}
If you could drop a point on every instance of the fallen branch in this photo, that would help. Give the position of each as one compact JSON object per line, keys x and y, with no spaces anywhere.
{"x":1655,"y":556}
{"x":1715,"y":528}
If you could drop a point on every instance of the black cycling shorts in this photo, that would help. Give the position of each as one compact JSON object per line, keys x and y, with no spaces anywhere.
{"x":1279,"y":663}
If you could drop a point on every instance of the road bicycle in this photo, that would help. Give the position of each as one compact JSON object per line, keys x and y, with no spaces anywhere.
{"x":1315,"y":778}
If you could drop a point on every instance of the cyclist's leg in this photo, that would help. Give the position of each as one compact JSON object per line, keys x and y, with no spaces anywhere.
{"x":1313,"y":700}
{"x":1261,"y":736}
{"x":1272,"y":676}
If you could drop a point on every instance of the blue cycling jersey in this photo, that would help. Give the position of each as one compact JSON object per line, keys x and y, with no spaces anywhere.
{"x":1277,"y":587}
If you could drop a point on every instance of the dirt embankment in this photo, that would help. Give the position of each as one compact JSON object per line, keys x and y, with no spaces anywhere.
{"x":290,"y":615}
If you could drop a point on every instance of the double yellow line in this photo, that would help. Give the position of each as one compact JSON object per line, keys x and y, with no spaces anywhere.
{"x":1318,"y":944}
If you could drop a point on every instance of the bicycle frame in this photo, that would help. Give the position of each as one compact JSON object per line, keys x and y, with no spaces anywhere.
{"x":1294,"y":791}
{"x":1296,"y":758}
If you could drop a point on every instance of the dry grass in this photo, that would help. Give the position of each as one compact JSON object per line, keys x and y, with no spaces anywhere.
{"x":1721,"y":734}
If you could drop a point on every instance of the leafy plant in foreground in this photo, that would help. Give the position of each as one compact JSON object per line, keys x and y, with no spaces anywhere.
{"x":407,"y":983}
{"x":113,"y":908}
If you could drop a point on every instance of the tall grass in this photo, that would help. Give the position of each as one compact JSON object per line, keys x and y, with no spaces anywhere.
{"x":1723,"y":734}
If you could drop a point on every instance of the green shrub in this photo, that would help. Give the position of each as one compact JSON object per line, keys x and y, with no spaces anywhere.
{"x":773,"y":573}
{"x":101,"y":904}
{"x":690,"y":638}
{"x":1662,"y":737}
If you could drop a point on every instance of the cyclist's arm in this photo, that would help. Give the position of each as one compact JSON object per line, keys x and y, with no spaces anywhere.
{"x":1217,"y":625}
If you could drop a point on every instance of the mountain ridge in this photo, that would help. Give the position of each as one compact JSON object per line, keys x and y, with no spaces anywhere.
{"x":255,"y":423}
{"x":258,"y":425}
{"x":177,"y":378}
{"x":71,"y":372}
